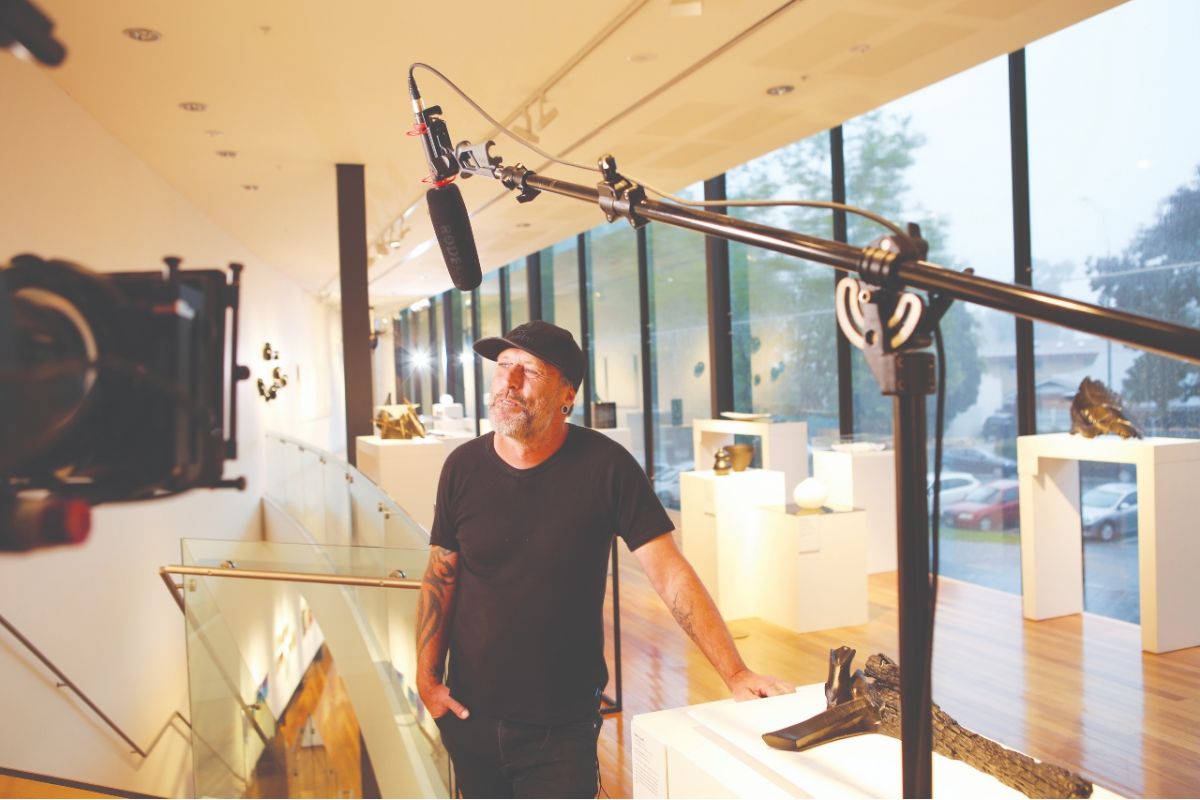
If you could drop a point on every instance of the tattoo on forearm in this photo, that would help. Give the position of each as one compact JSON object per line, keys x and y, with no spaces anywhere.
{"x":437,"y":594}
{"x":681,"y":609}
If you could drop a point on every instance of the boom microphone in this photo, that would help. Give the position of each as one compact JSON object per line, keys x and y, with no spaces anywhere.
{"x":452,"y":226}
{"x":447,"y":211}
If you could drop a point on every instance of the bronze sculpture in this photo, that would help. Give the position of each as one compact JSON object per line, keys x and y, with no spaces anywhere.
{"x":1097,"y":410}
{"x":722,"y":461}
{"x":405,"y":425}
{"x":868,"y":701}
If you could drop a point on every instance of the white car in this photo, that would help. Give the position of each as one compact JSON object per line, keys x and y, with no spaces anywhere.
{"x":955,"y":486}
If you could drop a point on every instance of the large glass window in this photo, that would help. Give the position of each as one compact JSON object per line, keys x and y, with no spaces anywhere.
{"x":679,"y":346}
{"x":489,"y":325}
{"x":419,"y":357}
{"x":1115,"y":184}
{"x":438,"y":360}
{"x":560,"y":282}
{"x":468,"y":357}
{"x":518,"y":293}
{"x":941,"y":157}
{"x":784,"y":341}
{"x":616,"y":343}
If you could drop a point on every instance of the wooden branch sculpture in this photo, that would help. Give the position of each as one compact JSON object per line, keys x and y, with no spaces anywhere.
{"x":869,"y":702}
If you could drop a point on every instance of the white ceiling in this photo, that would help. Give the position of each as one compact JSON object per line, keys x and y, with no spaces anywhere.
{"x":297,"y":86}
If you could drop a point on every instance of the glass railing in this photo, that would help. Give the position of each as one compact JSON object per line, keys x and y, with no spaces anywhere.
{"x":332,"y":501}
{"x":228,"y":731}
{"x":317,"y":661}
{"x":329,"y":707}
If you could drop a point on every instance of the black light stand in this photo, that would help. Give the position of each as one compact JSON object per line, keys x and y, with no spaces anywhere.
{"x":894,"y":334}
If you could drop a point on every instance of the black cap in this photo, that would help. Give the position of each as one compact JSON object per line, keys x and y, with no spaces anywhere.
{"x":548,"y":342}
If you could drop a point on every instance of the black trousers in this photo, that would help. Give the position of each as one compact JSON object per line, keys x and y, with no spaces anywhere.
{"x":497,"y":758}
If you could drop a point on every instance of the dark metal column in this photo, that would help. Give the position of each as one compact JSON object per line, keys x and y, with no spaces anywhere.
{"x":356,"y":314}
{"x":837,"y":154}
{"x":647,"y":332}
{"x":587,"y":393}
{"x":435,"y":388}
{"x":452,"y":332}
{"x":720,"y":311}
{"x":480,"y":411}
{"x":533,"y":277}
{"x":400,"y":334}
{"x":505,"y":303}
{"x":1022,"y":241}
{"x":547,"y":285}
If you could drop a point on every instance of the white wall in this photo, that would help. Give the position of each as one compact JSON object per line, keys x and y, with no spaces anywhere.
{"x":71,"y":190}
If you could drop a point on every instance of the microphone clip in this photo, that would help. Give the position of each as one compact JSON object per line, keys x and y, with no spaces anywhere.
{"x":477,"y":159}
{"x":617,"y":195}
{"x":439,"y":153}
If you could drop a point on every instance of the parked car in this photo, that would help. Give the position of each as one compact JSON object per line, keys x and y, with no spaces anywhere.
{"x":955,"y":486}
{"x":978,"y":461}
{"x":992,"y":506}
{"x":1110,"y":511}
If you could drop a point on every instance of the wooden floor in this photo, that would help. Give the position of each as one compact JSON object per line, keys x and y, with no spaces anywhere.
{"x":1076,"y":691}
{"x":316,"y":750}
{"x":12,"y":786}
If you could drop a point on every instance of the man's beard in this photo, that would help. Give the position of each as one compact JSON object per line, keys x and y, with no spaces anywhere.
{"x":522,"y":422}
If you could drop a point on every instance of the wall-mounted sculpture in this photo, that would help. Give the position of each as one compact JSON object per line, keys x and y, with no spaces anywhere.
{"x":868,"y":701}
{"x":269,"y":391}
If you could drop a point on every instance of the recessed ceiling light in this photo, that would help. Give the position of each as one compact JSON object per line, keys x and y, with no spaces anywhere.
{"x":250,"y":187}
{"x":641,"y":58}
{"x":227,"y":153}
{"x":142,"y":34}
{"x":523,"y":224}
{"x":859,"y":49}
{"x":193,"y":106}
{"x":781,"y":89}
{"x":213,"y":133}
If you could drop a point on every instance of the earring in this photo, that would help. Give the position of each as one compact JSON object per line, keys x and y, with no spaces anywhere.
{"x":566,"y":410}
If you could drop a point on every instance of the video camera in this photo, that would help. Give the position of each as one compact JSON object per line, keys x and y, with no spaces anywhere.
{"x":111,"y":389}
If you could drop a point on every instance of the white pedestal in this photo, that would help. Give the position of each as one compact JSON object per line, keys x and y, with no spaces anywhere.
{"x":865,"y":480}
{"x":716,"y":750}
{"x":806,"y":571}
{"x":716,"y":512}
{"x":1168,"y":474}
{"x":782,"y":445}
{"x":407,"y":469}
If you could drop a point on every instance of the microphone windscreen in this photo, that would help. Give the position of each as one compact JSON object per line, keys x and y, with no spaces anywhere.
{"x":452,"y":226}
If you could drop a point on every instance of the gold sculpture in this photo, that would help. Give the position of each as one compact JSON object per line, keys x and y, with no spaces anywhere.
{"x":405,"y":425}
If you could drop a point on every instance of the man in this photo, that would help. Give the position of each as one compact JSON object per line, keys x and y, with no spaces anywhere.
{"x":515,"y":584}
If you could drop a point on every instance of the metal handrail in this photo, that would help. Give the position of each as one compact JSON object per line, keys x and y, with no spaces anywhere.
{"x":64,"y":681}
{"x":272,"y":575}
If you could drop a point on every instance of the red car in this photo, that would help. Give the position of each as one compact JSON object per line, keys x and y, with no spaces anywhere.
{"x":990,"y":507}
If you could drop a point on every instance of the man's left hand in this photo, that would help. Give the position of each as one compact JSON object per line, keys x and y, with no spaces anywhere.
{"x":747,"y":685}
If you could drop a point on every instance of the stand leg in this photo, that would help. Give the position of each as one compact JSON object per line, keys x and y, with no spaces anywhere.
{"x":912,"y":547}
{"x":614,"y":704}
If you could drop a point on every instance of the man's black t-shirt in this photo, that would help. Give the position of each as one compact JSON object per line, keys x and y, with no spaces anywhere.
{"x":527,"y":636}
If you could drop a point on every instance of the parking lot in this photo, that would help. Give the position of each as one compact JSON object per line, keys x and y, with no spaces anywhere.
{"x":1110,"y":569}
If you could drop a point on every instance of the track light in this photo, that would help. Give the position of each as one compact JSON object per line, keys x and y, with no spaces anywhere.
{"x":545,"y":117}
{"x":526,"y":131}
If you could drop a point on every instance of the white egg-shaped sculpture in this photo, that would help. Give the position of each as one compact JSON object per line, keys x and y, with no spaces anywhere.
{"x":810,"y":493}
